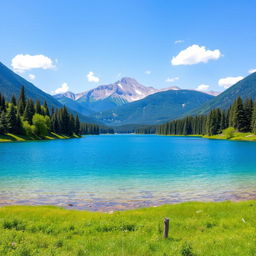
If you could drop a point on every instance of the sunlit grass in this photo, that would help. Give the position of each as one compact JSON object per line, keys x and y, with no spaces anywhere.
{"x":9,"y":137}
{"x":219,"y":229}
{"x":237,"y":136}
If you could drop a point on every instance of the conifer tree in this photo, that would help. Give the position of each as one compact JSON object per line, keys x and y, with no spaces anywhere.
{"x":29,"y":111}
{"x":13,"y":101}
{"x":248,"y":108}
{"x":38,"y":109}
{"x":77,"y":125}
{"x":22,"y":101}
{"x":46,"y":109}
{"x":253,"y":123}
{"x":3,"y":123}
{"x":11,"y":120}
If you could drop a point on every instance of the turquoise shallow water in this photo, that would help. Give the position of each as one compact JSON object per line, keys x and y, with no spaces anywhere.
{"x":110,"y":172}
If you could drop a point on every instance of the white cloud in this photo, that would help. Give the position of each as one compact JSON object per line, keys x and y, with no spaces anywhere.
{"x":64,"y":88}
{"x":229,"y":81}
{"x":23,"y":62}
{"x":252,"y":71}
{"x":92,"y":78}
{"x":31,"y":77}
{"x":203,"y":87}
{"x":148,"y":72}
{"x":179,"y":41}
{"x":195,"y":54}
{"x":171,"y":79}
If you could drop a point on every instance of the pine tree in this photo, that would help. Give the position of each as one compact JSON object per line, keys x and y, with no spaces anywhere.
{"x":11,"y":120}
{"x":29,"y":111}
{"x":248,"y":108}
{"x":253,"y":123}
{"x":77,"y":126}
{"x":3,"y":123}
{"x":239,"y":116}
{"x":38,"y":109}
{"x":46,"y":109}
{"x":22,"y":101}
{"x":13,"y":101}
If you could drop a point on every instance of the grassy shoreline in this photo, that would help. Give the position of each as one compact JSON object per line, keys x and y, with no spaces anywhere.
{"x":238,"y":136}
{"x":223,"y":228}
{"x":9,"y":137}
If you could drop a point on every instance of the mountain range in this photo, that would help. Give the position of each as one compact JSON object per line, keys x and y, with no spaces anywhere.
{"x":127,"y":102}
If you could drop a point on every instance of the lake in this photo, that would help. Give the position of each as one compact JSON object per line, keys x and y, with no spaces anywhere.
{"x":115,"y":172}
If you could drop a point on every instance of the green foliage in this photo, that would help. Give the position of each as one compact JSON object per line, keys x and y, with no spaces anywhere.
{"x":229,"y":132}
{"x":241,"y":115}
{"x":196,"y":229}
{"x":28,"y":129}
{"x":35,"y":121}
{"x":41,"y":125}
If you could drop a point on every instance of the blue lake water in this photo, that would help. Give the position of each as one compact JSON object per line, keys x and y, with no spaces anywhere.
{"x":109,"y":172}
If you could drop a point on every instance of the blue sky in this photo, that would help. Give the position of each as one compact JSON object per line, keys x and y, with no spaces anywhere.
{"x":131,"y":38}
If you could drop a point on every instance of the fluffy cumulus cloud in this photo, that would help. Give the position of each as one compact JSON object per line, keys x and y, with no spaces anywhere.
{"x":203,"y":87}
{"x":64,"y":88}
{"x":148,"y":72}
{"x":252,"y":71}
{"x":31,"y":77}
{"x":195,"y":54}
{"x":92,"y":78}
{"x":229,"y":81}
{"x":24,"y":62}
{"x":171,"y":79}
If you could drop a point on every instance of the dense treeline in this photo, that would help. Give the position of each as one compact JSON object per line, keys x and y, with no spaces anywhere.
{"x":26,"y":117}
{"x":241,"y":116}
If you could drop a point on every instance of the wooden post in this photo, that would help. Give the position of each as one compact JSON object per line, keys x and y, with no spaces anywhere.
{"x":166,"y":227}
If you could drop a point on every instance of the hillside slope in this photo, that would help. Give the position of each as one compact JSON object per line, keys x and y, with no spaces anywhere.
{"x":156,"y":108}
{"x":245,"y":88}
{"x":11,"y":83}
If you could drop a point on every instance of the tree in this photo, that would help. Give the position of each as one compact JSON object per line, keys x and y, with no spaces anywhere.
{"x":22,"y":101}
{"x":248,"y":108}
{"x":253,"y":123}
{"x":38,"y":109}
{"x":11,"y":120}
{"x":229,"y":132}
{"x":77,"y":126}
{"x":13,"y":101}
{"x":41,"y":125}
{"x":3,"y":123}
{"x":46,"y":109}
{"x":29,"y":111}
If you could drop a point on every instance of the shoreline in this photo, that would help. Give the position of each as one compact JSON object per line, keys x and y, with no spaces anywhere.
{"x":127,"y":205}
{"x":249,"y":137}
{"x":9,"y":137}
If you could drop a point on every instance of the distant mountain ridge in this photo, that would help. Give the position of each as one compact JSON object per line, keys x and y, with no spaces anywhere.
{"x":155,"y":109}
{"x":245,"y":88}
{"x":107,"y":97}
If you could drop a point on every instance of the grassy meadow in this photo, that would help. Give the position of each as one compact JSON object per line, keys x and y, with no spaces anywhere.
{"x":219,"y":229}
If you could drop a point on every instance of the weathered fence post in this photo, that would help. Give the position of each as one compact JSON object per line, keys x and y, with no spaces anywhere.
{"x":166,"y":227}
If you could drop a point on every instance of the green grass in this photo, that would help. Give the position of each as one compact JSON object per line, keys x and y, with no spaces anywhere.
{"x":212,"y":229}
{"x":237,"y":136}
{"x":9,"y":137}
